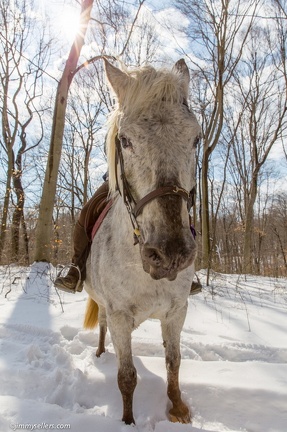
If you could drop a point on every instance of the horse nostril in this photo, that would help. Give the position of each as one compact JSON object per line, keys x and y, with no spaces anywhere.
{"x":153,"y":256}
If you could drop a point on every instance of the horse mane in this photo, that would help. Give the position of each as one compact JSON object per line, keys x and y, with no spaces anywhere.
{"x":146,"y":87}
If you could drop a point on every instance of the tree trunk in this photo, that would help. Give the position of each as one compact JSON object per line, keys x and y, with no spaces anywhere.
{"x":205,"y":229}
{"x":18,"y":216}
{"x":249,"y":226}
{"x":8,"y":139}
{"x":25,"y":238}
{"x":4,"y":218}
{"x":18,"y":213}
{"x":281,"y":246}
{"x":43,"y":246}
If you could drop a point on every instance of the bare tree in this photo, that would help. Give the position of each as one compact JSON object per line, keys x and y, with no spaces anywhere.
{"x":82,"y":141}
{"x":278,"y":225}
{"x":215,"y":31}
{"x":45,"y":225}
{"x":21,"y":88}
{"x":262,"y":102}
{"x":110,"y":19}
{"x":280,"y":54}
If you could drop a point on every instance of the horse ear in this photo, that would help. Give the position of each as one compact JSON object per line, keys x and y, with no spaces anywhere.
{"x":181,"y":69}
{"x":118,"y":80}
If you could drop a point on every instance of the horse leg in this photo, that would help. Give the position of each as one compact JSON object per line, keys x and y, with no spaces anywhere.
{"x":121,"y":326}
{"x":103,"y":330}
{"x":171,"y":329}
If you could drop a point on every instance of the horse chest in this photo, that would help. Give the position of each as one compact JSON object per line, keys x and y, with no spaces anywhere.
{"x":144,"y":302}
{"x":127,"y":287}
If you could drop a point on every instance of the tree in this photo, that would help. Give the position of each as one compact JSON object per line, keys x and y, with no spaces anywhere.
{"x":262,"y":100}
{"x":215,"y":31}
{"x":278,"y":225}
{"x":21,"y":87}
{"x":82,"y":141}
{"x":115,"y":12}
{"x":45,"y":224}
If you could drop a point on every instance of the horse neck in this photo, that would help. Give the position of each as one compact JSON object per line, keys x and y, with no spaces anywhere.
{"x":121,"y":220}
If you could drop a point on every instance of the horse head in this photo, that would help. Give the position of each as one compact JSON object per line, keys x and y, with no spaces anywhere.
{"x":151,"y":148}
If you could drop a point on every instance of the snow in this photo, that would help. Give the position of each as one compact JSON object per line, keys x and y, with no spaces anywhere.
{"x":233,"y":373}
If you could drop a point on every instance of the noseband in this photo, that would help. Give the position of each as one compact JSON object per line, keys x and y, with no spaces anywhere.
{"x":135,"y":208}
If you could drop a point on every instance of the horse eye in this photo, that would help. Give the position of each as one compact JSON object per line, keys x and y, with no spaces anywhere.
{"x":125,"y":142}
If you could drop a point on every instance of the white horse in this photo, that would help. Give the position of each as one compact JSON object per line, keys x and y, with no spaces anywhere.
{"x":151,"y":146}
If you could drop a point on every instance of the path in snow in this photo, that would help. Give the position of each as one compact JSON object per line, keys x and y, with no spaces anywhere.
{"x":234,"y":360}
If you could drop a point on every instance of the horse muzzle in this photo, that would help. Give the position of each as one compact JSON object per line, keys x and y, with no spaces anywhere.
{"x":167,"y":259}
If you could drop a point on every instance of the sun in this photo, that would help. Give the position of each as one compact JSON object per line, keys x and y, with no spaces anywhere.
{"x":69,"y":23}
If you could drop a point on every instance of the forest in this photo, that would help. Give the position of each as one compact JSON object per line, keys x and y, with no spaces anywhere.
{"x":54,"y":104}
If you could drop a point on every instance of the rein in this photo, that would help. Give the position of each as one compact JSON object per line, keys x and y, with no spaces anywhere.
{"x":134,"y":208}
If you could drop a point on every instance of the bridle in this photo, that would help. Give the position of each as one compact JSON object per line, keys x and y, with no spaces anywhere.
{"x":135,"y":208}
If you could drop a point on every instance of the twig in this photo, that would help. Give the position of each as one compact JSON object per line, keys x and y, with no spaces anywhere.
{"x":92,"y":60}
{"x":132,"y":27}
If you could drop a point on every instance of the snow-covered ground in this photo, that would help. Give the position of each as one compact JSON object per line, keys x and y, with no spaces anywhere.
{"x":233,"y":373}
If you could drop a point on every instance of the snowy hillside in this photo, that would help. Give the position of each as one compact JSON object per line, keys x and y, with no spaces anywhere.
{"x":233,"y":373}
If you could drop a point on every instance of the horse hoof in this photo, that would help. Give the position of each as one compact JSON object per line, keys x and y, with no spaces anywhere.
{"x":180,"y":416}
{"x":128,"y":420}
{"x":99,"y":352}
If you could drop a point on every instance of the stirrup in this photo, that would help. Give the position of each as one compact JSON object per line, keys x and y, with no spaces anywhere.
{"x":196,"y":289}
{"x":79,"y":285}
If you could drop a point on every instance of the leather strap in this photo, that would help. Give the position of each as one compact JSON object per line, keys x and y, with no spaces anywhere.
{"x":162,"y":191}
{"x":134,"y":208}
{"x":101,"y":218}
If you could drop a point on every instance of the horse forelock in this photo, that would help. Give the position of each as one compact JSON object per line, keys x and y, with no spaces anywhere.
{"x":147,"y":88}
{"x":111,"y":149}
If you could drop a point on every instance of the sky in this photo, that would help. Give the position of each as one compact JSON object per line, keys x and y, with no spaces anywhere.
{"x":64,"y":16}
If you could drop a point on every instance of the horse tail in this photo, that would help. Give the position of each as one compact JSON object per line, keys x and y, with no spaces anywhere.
{"x":91,"y":316}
